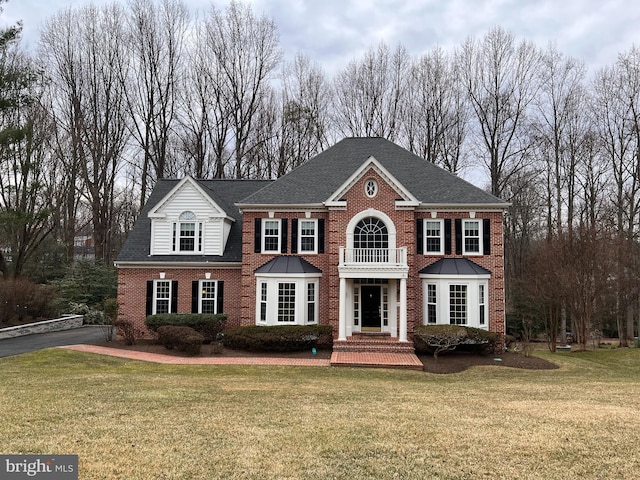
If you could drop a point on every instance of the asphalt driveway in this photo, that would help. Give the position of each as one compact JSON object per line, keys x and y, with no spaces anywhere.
{"x":38,"y":341}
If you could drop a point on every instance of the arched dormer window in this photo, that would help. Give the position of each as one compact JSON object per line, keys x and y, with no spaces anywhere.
{"x":187,"y":233}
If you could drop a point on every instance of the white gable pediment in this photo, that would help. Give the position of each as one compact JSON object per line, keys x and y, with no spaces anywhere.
{"x":187,"y":195}
{"x":335,"y":200}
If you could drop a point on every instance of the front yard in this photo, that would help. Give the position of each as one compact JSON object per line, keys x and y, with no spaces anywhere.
{"x":134,"y":420}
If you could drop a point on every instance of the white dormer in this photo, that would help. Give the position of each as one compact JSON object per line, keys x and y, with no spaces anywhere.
{"x":187,"y":221}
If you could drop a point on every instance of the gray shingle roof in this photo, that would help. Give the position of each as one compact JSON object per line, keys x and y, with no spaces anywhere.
{"x":316,"y":180}
{"x":226,"y":193}
{"x":288,"y":264}
{"x":454,"y":266}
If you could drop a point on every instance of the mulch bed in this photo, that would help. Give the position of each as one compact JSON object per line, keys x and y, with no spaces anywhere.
{"x":451,"y":362}
{"x":454,"y":362}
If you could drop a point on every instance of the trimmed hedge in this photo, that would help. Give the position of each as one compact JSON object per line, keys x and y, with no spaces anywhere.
{"x":281,"y":338}
{"x":185,"y":339}
{"x":439,"y":338}
{"x":208,"y":325}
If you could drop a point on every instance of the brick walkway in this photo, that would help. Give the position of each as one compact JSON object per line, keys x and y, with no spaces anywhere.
{"x":170,"y":359}
{"x":347,"y":359}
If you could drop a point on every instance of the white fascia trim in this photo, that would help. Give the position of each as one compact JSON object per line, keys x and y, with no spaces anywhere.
{"x":302,"y":207}
{"x":431,"y":276}
{"x":371,"y":162}
{"x":463,"y":207}
{"x":285,"y":276}
{"x":180,"y":265}
{"x":153,"y":213}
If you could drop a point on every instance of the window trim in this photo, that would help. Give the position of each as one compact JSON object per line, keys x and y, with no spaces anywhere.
{"x":440,"y":221}
{"x":187,"y":218}
{"x":465,"y":237}
{"x":474,"y":304}
{"x":154,"y":304}
{"x":315,"y":236}
{"x":201,"y":283}
{"x":264,"y":235}
{"x":371,"y":188}
{"x":267,"y":306}
{"x":431,"y":302}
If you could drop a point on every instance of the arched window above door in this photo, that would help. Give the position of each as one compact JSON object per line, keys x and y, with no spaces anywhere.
{"x":371,"y":232}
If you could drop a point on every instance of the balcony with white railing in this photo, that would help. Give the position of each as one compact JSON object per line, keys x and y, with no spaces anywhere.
{"x":373,"y":261}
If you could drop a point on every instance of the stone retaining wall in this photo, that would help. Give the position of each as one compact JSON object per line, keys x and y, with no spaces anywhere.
{"x":65,"y":323}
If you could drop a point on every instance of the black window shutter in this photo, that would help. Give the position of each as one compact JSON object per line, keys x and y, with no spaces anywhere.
{"x":257,"y":235}
{"x":195,"y":286}
{"x":486,"y":236}
{"x":294,"y":235}
{"x":149,"y":308}
{"x":447,"y":236}
{"x":321,"y":235}
{"x":458,"y":223}
{"x":220,"y":297}
{"x":283,"y":235}
{"x":174,"y":296}
{"x":420,"y":235}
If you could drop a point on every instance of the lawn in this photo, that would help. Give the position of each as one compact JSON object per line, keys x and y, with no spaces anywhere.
{"x":134,"y":420}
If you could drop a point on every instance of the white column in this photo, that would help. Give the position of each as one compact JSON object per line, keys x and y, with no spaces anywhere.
{"x":403,"y":309}
{"x":342,"y":316}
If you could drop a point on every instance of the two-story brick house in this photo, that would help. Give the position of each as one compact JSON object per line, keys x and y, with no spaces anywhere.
{"x":366,"y":237}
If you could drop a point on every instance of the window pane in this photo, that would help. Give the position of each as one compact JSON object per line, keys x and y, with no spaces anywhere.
{"x":286,"y":302}
{"x":187,"y":237}
{"x":482,"y":303}
{"x":208,"y":296}
{"x":311,"y":303}
{"x":263,"y":302}
{"x":458,"y":304}
{"x":472,"y":236}
{"x":432,"y":236}
{"x":271,"y":235}
{"x":163,"y":296}
{"x":307,"y":235}
{"x":431,"y":303}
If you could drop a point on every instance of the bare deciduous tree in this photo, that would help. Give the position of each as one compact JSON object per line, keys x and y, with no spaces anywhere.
{"x":499,"y":77}
{"x":369,"y":93}
{"x":247,"y":52}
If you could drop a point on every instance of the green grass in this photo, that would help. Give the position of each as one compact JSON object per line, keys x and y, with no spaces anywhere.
{"x":135,"y":420}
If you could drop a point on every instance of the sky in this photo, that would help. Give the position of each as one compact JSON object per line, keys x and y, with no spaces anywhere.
{"x":333,"y":32}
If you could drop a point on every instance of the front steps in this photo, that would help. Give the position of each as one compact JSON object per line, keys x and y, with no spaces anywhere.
{"x":374,"y":350}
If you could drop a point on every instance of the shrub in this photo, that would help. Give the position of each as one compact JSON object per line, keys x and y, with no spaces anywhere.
{"x":185,"y":339}
{"x":439,"y":338}
{"x":22,"y":301}
{"x":281,"y":338}
{"x":208,"y":325}
{"x":127,"y":330}
{"x":87,"y":282}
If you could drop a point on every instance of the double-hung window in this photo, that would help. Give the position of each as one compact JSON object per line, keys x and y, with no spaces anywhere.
{"x":208,"y":295}
{"x":271,"y":236}
{"x":308,"y":236}
{"x":432,"y":303}
{"x":187,"y":234}
{"x":434,"y":237}
{"x":312,"y":303}
{"x":161,"y":296}
{"x":472,"y":237}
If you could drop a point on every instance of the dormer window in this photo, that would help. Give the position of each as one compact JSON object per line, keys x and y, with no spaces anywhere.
{"x":187,"y":234}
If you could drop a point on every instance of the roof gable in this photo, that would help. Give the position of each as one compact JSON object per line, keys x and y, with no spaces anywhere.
{"x":189,"y":188}
{"x":371,"y":164}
